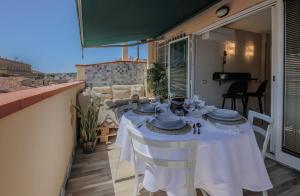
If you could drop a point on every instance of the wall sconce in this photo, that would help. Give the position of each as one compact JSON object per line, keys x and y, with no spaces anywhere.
{"x":230,"y":48}
{"x":249,"y":52}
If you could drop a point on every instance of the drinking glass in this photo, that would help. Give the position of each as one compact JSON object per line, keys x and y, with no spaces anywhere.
{"x":180,"y":113}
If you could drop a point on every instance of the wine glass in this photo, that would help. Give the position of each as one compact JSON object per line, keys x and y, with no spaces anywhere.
{"x":180,"y":113}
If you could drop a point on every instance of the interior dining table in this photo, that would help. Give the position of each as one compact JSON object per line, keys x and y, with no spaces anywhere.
{"x":228,"y":158}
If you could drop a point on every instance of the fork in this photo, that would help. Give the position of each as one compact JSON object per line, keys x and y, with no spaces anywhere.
{"x":198,"y":127}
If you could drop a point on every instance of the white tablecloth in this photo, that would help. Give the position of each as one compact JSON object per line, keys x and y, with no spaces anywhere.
{"x":225,"y":163}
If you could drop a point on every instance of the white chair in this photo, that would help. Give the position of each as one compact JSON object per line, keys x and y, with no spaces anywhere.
{"x":265,"y":133}
{"x":188,"y":163}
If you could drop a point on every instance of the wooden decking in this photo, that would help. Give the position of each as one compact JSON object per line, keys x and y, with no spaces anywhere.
{"x":92,"y":175}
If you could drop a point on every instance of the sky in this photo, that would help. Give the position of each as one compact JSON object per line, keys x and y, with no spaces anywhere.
{"x":45,"y":34}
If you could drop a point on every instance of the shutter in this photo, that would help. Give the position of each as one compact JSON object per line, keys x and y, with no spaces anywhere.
{"x":291,"y":140}
{"x":178,"y":67}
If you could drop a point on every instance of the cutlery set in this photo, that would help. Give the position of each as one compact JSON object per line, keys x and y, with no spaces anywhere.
{"x":196,"y":128}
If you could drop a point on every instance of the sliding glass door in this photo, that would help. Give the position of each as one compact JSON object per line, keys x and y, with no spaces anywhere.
{"x":291,"y":128}
{"x":178,"y":67}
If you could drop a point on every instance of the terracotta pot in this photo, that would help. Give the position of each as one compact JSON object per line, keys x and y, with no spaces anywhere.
{"x":89,"y":147}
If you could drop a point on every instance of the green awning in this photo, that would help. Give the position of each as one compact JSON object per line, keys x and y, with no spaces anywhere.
{"x":104,"y":22}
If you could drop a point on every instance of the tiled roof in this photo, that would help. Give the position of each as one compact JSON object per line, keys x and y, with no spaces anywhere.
{"x":10,"y":84}
{"x":13,"y":61}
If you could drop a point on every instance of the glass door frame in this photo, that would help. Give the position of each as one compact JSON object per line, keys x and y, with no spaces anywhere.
{"x":281,"y":156}
{"x":277,"y":69}
{"x":188,"y":78}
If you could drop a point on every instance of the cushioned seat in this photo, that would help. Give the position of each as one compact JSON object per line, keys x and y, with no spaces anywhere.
{"x":117,"y":96}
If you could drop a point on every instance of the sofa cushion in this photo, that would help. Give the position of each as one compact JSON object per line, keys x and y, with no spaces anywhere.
{"x":121,"y":94}
{"x":106,"y":96}
{"x":137,"y":89}
{"x":121,"y":87}
{"x":121,"y":91}
{"x":103,"y":89}
{"x":106,"y":92}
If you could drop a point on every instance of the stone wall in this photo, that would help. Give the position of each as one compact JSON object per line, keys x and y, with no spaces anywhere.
{"x":115,"y":73}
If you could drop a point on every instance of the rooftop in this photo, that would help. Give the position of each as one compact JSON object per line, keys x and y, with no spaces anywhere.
{"x":9,"y":84}
{"x":13,"y":61}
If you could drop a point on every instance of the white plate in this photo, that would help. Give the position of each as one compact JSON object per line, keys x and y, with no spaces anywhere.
{"x":167,"y":126}
{"x":236,"y":118}
{"x":147,"y":108}
{"x":224,"y":113}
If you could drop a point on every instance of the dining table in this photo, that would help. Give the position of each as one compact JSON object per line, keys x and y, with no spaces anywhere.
{"x":227,"y":157}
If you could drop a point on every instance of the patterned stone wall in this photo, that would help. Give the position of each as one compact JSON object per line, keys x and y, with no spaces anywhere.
{"x":115,"y":73}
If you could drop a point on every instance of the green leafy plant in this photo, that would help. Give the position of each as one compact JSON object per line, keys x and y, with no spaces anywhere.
{"x":88,"y":122}
{"x":157,"y":80}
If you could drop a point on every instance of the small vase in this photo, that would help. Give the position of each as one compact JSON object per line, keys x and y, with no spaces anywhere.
{"x":89,"y":147}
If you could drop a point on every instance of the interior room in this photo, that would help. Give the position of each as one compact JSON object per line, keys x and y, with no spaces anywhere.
{"x":240,"y":51}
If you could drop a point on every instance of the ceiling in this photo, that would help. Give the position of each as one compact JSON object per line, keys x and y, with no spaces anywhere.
{"x":104,"y":22}
{"x":258,"y":23}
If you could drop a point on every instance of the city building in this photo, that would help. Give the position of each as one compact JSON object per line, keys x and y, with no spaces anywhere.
{"x":14,"y":67}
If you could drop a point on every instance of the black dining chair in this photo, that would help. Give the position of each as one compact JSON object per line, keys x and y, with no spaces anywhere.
{"x":259,"y":94}
{"x":237,"y":90}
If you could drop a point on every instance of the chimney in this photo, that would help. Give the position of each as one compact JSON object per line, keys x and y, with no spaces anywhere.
{"x":125,"y":53}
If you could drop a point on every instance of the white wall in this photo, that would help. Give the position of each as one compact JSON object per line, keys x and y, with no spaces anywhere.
{"x":209,"y":55}
{"x":36,"y":144}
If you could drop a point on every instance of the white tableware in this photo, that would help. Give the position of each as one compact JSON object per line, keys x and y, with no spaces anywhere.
{"x":225,"y":113}
{"x":225,"y":119}
{"x":210,"y":108}
{"x":147,"y":108}
{"x":168,"y":122}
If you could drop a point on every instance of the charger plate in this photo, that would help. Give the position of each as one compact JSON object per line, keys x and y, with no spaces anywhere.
{"x":187,"y":128}
{"x":139,"y":112}
{"x":242,"y":120}
{"x":231,"y":119}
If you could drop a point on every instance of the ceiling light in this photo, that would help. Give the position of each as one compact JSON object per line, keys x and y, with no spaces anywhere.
{"x":222,"y":11}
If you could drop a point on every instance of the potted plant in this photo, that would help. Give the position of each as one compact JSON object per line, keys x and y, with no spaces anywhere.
{"x":88,"y":127}
{"x":157,"y":80}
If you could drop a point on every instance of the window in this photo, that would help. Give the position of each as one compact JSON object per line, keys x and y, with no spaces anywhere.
{"x":178,"y":68}
{"x":291,"y":129}
{"x":162,"y":54}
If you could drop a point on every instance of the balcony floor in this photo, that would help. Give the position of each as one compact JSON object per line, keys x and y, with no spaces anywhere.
{"x":91,"y":175}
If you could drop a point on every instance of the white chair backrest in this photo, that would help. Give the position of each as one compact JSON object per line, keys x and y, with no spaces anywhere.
{"x":187,"y":163}
{"x":265,"y":133}
{"x":189,"y":146}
